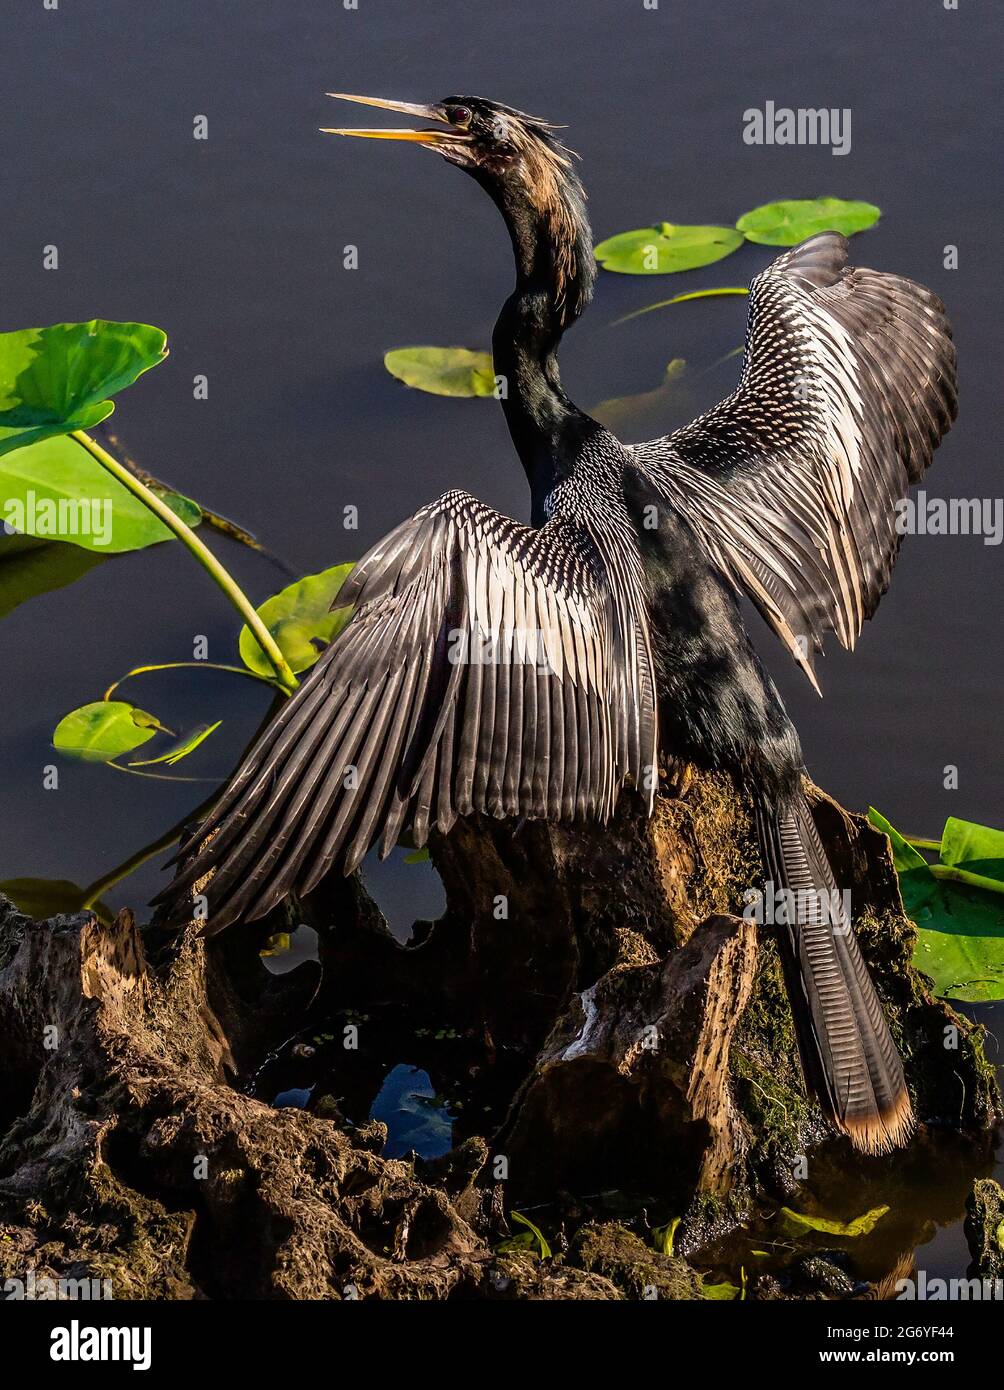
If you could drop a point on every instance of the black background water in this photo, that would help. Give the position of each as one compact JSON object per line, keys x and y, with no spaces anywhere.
{"x":235,"y":246}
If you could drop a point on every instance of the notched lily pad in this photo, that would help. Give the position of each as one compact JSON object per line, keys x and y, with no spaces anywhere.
{"x":792,"y":220}
{"x":443,"y":371}
{"x":666,"y":247}
{"x":301,"y":620}
{"x":103,"y":729}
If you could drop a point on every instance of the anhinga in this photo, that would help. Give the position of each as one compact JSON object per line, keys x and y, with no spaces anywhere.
{"x":614,"y":619}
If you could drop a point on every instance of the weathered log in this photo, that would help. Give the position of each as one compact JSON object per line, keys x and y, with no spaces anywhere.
{"x":985,"y":1229}
{"x":646,"y":1014}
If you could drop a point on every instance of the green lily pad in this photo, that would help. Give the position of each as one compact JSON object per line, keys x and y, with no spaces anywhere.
{"x":793,"y":220}
{"x":666,"y":247}
{"x":796,"y":1223}
{"x":53,"y":380}
{"x":976,"y":849}
{"x":443,"y":371}
{"x":958,"y":909}
{"x":102,"y":730}
{"x":56,"y":491}
{"x":29,"y":567}
{"x":301,"y":620}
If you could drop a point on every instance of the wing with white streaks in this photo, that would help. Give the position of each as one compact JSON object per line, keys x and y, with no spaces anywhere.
{"x":792,"y":483}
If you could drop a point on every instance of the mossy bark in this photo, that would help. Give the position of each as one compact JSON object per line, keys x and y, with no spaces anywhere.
{"x":648,"y":1016}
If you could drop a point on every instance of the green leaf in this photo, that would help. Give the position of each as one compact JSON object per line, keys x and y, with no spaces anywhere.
{"x":960,"y":925}
{"x":663,"y":1236}
{"x":29,"y":567}
{"x":666,"y":247}
{"x":796,"y":1223}
{"x":443,"y":371}
{"x":976,"y":849}
{"x":721,"y":1292}
{"x":53,"y":380}
{"x":101,"y":731}
{"x":298,"y":617}
{"x":56,"y":491}
{"x":183,"y":747}
{"x":530,"y":1239}
{"x":723,"y":292}
{"x":998,"y":1234}
{"x":276,"y":945}
{"x":904,"y":856}
{"x":794,"y":219}
{"x":418,"y":856}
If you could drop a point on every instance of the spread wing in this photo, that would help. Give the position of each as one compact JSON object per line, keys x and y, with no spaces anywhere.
{"x":848,"y":386}
{"x":488,"y":667}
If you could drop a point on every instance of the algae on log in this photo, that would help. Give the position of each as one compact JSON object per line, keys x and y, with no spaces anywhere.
{"x":648,"y":1016}
{"x":985,"y":1229}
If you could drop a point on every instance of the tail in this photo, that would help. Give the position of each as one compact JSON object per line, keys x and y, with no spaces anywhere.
{"x":848,"y":1056}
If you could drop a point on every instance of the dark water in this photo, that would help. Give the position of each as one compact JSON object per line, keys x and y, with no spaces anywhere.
{"x":234,"y":245}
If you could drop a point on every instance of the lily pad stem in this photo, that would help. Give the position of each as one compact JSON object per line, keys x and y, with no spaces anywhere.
{"x":202,"y":553}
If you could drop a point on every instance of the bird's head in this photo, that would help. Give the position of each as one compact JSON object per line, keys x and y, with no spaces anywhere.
{"x":526,"y":169}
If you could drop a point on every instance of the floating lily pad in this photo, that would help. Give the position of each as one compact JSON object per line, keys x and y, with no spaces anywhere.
{"x":443,"y":371}
{"x":796,"y":1223}
{"x":958,"y":908}
{"x":53,"y":380}
{"x":301,"y":620}
{"x":102,"y":730}
{"x":666,"y":247}
{"x":56,"y":491}
{"x":795,"y":219}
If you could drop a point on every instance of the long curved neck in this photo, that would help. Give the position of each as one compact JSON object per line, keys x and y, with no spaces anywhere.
{"x":553,"y":252}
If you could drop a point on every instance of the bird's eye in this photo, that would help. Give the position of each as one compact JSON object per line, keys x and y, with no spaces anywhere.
{"x":458,"y":115}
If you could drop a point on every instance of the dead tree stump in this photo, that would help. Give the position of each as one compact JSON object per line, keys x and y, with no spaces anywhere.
{"x":645,"y":1017}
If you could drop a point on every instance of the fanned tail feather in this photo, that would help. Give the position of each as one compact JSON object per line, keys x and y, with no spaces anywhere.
{"x":848,"y":1056}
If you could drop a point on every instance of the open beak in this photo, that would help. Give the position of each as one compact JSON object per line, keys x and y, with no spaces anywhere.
{"x":423,"y":113}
